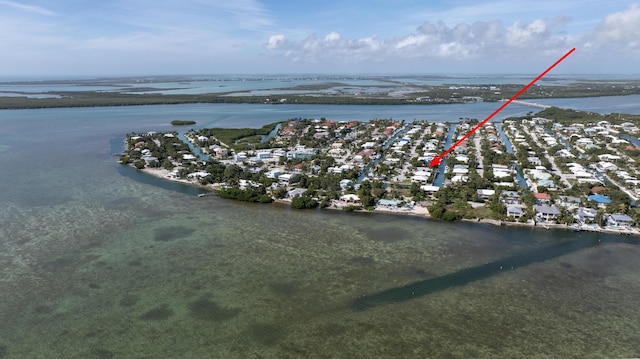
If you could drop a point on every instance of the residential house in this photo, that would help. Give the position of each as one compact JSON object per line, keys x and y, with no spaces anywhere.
{"x":586,"y":215}
{"x":546,"y":213}
{"x":485,"y":194}
{"x":599,"y":199}
{"x":619,"y":219}
{"x":460,"y":169}
{"x":569,"y":202}
{"x":429,"y":189}
{"x":542,"y":197}
{"x":511,"y":198}
{"x":389,"y":203}
{"x":346,"y":183}
{"x":350,"y":199}
{"x":296,"y":192}
{"x":515,"y":212}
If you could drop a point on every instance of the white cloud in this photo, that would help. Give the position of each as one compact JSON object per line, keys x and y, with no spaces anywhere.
{"x":480,"y":40}
{"x":520,"y":35}
{"x":620,"y":29}
{"x":28,"y":8}
{"x":274,"y":42}
{"x":332,"y":37}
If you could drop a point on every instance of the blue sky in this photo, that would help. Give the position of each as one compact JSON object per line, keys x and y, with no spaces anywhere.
{"x":165,"y":37}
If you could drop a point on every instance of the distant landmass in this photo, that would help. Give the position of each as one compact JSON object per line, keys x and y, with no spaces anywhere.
{"x":182,"y":122}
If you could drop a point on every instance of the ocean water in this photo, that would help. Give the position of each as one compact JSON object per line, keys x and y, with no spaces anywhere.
{"x":96,"y":262}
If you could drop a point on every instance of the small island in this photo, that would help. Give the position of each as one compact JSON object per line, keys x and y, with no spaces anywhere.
{"x":558,"y":168}
{"x":182,"y":122}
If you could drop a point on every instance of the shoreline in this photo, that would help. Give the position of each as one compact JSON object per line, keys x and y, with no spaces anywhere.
{"x":120,"y":99}
{"x":416,"y":211}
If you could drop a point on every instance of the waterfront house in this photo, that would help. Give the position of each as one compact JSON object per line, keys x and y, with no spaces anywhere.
{"x":603,"y":166}
{"x":460,"y":169}
{"x":350,"y":199}
{"x":545,"y":212}
{"x":429,"y":189}
{"x":586,"y":215}
{"x":296,"y":192}
{"x":150,"y":159}
{"x":459,"y":178}
{"x":502,"y":172}
{"x":389,"y":203}
{"x":514,"y":211}
{"x":419,"y":179}
{"x":619,"y":219}
{"x":198,"y":175}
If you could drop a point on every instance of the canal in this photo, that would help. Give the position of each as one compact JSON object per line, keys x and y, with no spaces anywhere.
{"x":509,"y":147}
{"x":440,"y":177}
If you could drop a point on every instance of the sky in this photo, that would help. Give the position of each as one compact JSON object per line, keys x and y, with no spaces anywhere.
{"x":171,"y":37}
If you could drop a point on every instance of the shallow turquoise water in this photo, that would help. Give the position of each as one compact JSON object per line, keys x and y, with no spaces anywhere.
{"x":97,"y":264}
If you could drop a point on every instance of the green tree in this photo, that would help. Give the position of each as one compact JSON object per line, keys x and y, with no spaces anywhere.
{"x":303,"y":202}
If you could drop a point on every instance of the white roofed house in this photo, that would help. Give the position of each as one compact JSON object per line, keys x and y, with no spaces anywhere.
{"x":565,"y":153}
{"x":419,"y":179}
{"x":430,"y":189}
{"x":460,"y":169}
{"x":585,"y":215}
{"x":350,"y":198}
{"x":485,"y":193}
{"x":459,"y":178}
{"x":584,"y":141}
{"x":608,"y":157}
{"x":546,"y":213}
{"x":606,"y":166}
{"x":511,"y":198}
{"x":620,"y":220}
{"x":569,"y":202}
{"x":515,"y":211}
{"x":345,"y":183}
{"x":198,"y":175}
{"x":462,"y":158}
{"x":296,"y":192}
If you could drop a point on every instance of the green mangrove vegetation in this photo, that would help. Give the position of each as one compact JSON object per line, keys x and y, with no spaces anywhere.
{"x":182,"y":122}
{"x":383,"y":95}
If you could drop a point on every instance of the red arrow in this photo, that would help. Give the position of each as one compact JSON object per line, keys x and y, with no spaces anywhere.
{"x":436,"y":160}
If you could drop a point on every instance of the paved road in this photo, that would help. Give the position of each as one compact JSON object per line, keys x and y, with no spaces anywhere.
{"x":554,"y":167}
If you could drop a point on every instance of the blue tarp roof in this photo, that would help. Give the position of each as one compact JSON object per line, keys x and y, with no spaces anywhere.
{"x":599,"y":198}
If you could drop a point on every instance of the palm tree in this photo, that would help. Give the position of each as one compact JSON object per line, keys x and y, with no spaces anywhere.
{"x":622,"y":208}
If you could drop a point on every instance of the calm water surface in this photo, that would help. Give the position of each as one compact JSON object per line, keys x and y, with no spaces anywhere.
{"x":95,"y":263}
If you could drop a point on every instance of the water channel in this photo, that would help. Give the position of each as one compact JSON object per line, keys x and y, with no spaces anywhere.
{"x":440,"y":177}
{"x":507,"y":144}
